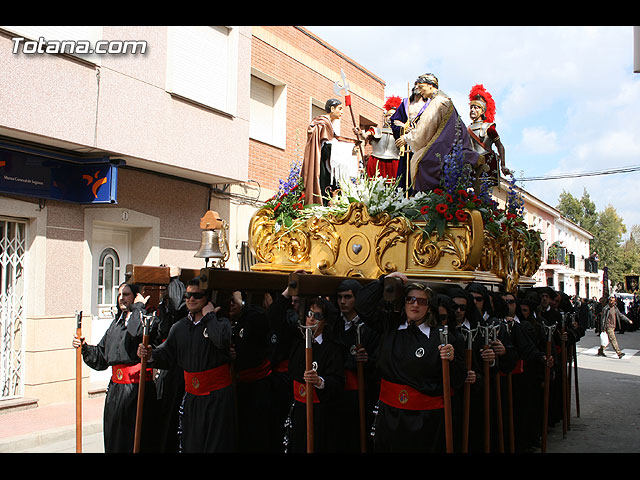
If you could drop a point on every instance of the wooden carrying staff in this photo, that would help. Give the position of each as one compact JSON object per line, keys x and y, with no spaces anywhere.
{"x":499,"y":426}
{"x":509,"y":378}
{"x":572,"y":354}
{"x":575,"y":365}
{"x":79,"y":384}
{"x":361,"y":392}
{"x":547,"y":377}
{"x":469,"y":336}
{"x":564,"y":375}
{"x":487,"y":385}
{"x":444,"y":340}
{"x":143,"y":371}
{"x":308,"y":337}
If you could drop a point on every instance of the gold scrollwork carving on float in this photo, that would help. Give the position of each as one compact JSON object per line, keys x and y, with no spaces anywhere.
{"x":355,"y":242}
{"x":457,"y":252}
{"x":394,"y":232}
{"x":324,"y":233}
{"x":510,"y":257}
{"x":358,"y":244}
{"x":456,"y":242}
{"x":284,"y":249}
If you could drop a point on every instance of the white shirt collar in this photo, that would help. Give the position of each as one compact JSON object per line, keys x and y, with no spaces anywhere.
{"x":424,"y":328}
{"x":349,"y":323}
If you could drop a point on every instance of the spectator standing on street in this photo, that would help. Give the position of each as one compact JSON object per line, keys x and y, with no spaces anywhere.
{"x":611,"y":318}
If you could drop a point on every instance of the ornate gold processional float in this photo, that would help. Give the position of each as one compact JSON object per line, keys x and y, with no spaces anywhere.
{"x":371,"y":228}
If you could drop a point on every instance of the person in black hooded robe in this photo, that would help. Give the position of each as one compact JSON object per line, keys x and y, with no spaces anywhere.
{"x":326,"y":378}
{"x":117,"y":349}
{"x":251,"y":372}
{"x":505,"y":353}
{"x":360,"y":345}
{"x":170,"y":383}
{"x":200,"y":344}
{"x":410,"y":416}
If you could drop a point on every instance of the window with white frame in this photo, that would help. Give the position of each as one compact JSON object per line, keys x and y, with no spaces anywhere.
{"x":268,"y":116}
{"x":108,"y":277}
{"x":202,"y":65}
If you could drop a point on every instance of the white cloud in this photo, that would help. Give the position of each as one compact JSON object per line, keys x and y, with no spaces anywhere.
{"x":538,"y":140}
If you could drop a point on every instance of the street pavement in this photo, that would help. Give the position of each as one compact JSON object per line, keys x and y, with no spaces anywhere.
{"x":609,"y":420}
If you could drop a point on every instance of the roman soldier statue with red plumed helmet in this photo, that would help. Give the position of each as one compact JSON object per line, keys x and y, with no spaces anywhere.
{"x":483,"y":132}
{"x":383,"y":160}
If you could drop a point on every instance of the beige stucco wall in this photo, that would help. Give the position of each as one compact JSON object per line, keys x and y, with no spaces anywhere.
{"x":119,"y":107}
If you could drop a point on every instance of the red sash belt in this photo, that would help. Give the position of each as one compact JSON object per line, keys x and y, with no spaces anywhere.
{"x":124,"y":373}
{"x":205,"y":382}
{"x":519,"y":368}
{"x":300,"y":392}
{"x":256,"y":373}
{"x":408,"y":398}
{"x":350,"y":380}
{"x":282,"y":367}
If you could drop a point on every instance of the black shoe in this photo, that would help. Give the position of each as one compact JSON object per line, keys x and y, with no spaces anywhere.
{"x":621,"y":354}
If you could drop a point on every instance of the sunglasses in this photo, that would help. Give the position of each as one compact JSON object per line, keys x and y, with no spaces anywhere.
{"x":316,"y":315}
{"x":423,"y":302}
{"x":460,"y":307}
{"x":510,"y":301}
{"x":477,"y":298}
{"x":196,"y":295}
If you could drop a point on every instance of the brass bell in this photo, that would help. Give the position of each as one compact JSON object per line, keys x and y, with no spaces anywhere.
{"x":211,"y":225}
{"x":209,"y":245}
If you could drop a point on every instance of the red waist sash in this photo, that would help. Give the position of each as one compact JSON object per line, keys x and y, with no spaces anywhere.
{"x":350,"y":380}
{"x":124,"y":373}
{"x":282,"y":367}
{"x":300,"y":392}
{"x":408,"y":398}
{"x":256,"y":373}
{"x":205,"y":382}
{"x":519,"y":368}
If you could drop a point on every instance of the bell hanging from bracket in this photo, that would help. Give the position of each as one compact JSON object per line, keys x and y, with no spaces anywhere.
{"x":211,"y":225}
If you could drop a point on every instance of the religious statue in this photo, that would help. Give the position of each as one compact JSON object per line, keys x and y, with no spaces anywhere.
{"x":403,"y":121}
{"x":316,"y":164}
{"x":438,"y":130}
{"x":484,"y":135}
{"x":383,"y":160}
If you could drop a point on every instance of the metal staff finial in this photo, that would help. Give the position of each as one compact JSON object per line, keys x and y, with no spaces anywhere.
{"x":344,"y":88}
{"x":469,"y":335}
{"x":444,"y":334}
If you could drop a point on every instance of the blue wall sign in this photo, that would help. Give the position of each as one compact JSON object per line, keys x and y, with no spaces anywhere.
{"x":40,"y":174}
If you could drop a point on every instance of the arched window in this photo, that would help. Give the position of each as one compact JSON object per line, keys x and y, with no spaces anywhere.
{"x":108,"y":277}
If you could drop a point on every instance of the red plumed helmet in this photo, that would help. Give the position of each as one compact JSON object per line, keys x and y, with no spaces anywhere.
{"x":392,"y":103}
{"x":478,"y":92}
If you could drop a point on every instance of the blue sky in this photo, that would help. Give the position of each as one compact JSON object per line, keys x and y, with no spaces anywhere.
{"x":567,"y":99}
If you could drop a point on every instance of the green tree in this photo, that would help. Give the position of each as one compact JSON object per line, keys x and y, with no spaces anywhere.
{"x":629,"y":257}
{"x":581,"y":211}
{"x":607,"y":238}
{"x":607,"y":228}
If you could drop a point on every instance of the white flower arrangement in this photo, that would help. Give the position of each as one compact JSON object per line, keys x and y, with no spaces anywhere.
{"x":378,"y":194}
